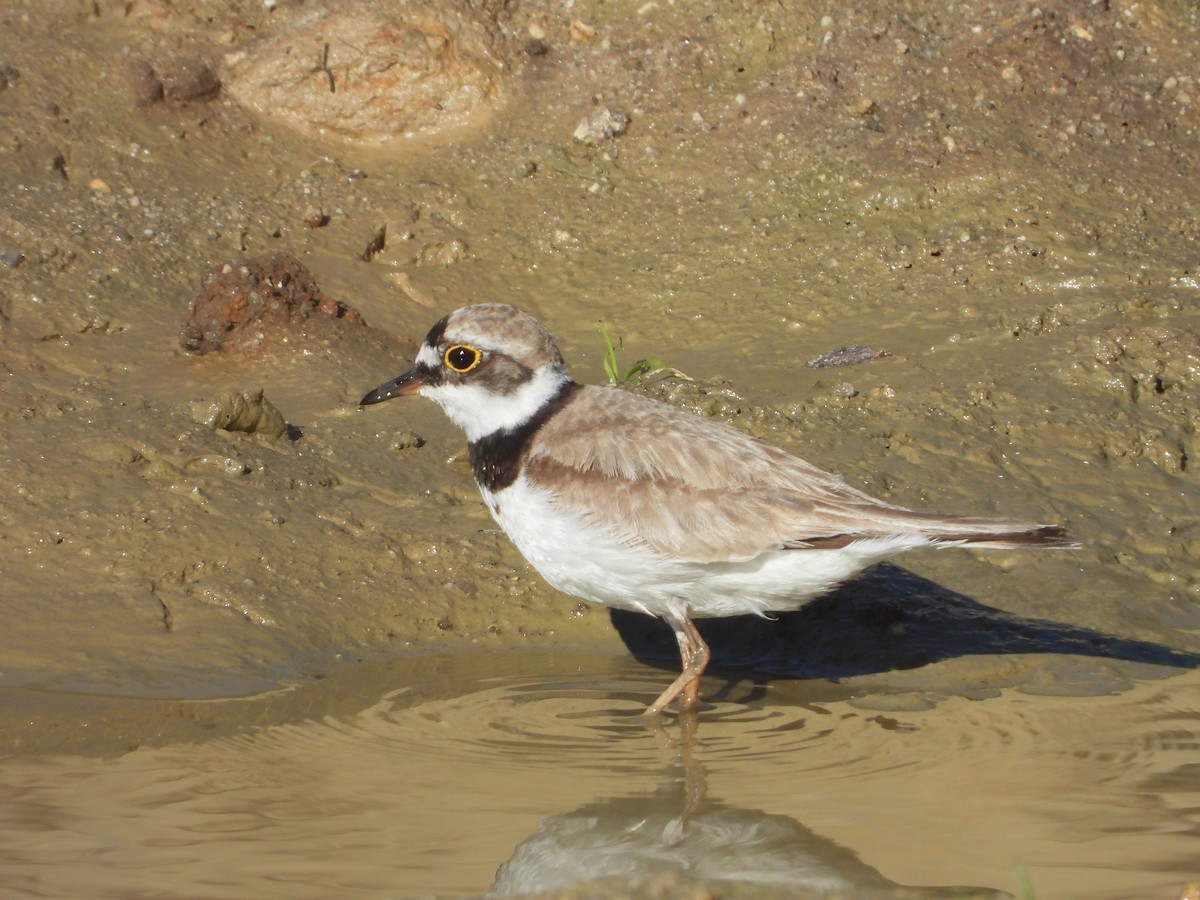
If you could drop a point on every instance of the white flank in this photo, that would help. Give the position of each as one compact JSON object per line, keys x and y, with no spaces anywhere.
{"x":580,"y":558}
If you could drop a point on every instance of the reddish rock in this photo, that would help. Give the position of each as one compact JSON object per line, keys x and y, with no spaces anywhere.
{"x":243,"y":304}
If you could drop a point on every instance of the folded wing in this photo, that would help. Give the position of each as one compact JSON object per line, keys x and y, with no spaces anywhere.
{"x":697,"y":490}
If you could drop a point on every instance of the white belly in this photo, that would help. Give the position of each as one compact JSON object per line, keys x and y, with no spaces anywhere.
{"x":586,"y":561}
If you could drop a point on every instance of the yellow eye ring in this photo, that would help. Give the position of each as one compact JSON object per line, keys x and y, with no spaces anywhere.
{"x":461,"y":358}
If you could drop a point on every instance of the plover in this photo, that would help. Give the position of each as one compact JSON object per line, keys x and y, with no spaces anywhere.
{"x":638,"y":505}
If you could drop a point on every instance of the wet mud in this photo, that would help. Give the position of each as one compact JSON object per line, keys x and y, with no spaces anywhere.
{"x":984,"y":216}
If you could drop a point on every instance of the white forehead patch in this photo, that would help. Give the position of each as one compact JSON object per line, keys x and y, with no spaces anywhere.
{"x":429,"y":356}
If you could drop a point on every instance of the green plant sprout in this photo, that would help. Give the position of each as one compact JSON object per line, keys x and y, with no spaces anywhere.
{"x":639,"y":369}
{"x":1026,"y":883}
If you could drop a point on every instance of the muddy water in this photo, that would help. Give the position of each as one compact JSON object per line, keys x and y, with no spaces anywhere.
{"x":532,"y":772}
{"x":241,"y":666}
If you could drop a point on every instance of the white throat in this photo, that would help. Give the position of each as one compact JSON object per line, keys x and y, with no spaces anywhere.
{"x":480,"y":411}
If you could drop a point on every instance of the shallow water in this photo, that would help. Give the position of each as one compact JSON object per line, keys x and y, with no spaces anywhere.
{"x":543,"y":772}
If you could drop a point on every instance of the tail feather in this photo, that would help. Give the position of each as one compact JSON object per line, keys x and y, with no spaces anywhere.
{"x":983,"y":534}
{"x":1045,"y":537}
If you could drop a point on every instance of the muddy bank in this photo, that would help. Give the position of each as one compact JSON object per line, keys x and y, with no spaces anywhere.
{"x":998,"y":196}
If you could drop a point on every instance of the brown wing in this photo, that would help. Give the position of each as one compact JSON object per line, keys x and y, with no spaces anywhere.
{"x":627,"y":436}
{"x":696,"y":489}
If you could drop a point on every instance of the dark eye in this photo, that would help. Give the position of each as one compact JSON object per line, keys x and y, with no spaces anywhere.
{"x":462,"y":359}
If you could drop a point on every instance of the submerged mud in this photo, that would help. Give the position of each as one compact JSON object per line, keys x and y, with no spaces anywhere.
{"x":997,"y":199}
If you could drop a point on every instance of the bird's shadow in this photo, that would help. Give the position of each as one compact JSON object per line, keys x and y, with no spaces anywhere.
{"x":888,"y":618}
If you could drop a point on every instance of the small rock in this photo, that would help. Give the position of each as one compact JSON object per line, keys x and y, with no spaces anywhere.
{"x":314,"y":217}
{"x":10,"y":259}
{"x":406,"y":440}
{"x":443,"y":254}
{"x":189,"y":79}
{"x":249,"y":412}
{"x":845,"y":391}
{"x":1013,"y":76}
{"x":580,"y":30}
{"x":846,"y":356}
{"x":145,"y":85}
{"x":1082,"y":32}
{"x":377,"y":243}
{"x":177,"y":78}
{"x":600,"y":127}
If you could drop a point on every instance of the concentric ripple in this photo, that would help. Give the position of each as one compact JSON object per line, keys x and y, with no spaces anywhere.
{"x":543,"y":767}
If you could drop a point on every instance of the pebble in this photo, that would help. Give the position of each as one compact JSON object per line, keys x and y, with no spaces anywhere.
{"x":845,"y":391}
{"x":580,"y":31}
{"x":177,"y":78}
{"x":846,"y":356}
{"x":405,"y":440}
{"x":525,"y":169}
{"x":247,"y":411}
{"x":602,"y":126}
{"x":314,"y":217}
{"x":445,"y":253}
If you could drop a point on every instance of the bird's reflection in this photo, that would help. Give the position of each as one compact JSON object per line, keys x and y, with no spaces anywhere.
{"x":678,"y":830}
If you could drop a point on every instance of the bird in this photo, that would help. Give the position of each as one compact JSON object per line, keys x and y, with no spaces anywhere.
{"x":625,"y":501}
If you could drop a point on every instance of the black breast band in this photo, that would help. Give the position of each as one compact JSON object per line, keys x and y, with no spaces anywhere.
{"x":496,"y":459}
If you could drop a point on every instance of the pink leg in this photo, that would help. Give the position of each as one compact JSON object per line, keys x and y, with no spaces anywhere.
{"x":694,"y":654}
